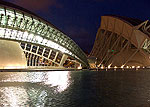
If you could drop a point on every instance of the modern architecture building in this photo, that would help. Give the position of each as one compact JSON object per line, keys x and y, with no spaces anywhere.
{"x":122,"y":41}
{"x":42,"y":44}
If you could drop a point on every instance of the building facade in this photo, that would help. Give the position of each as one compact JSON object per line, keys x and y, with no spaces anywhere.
{"x":42,"y":43}
{"x":122,"y":41}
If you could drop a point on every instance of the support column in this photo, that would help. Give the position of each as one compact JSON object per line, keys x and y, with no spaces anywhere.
{"x":37,"y":50}
{"x":36,"y":61}
{"x":33,"y":60}
{"x":110,"y":49}
{"x":30,"y":64}
{"x":49,"y":54}
{"x":25,"y":46}
{"x":27,"y":58}
{"x":123,"y":48}
{"x":55,"y":56}
{"x":130,"y":57}
{"x":31,"y":48}
{"x":63,"y":59}
{"x":43,"y":51}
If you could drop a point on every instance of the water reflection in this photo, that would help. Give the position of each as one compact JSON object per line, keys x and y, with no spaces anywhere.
{"x":75,"y":89}
{"x":31,"y":88}
{"x":13,"y":96}
{"x":58,"y":79}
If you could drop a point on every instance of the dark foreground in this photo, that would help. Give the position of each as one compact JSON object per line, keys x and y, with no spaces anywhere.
{"x":75,"y":89}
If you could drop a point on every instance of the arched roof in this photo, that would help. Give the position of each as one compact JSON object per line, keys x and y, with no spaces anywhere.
{"x":132,"y":21}
{"x":22,"y":25}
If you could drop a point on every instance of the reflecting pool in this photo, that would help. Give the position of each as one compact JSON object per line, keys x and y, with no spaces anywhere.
{"x":75,"y":89}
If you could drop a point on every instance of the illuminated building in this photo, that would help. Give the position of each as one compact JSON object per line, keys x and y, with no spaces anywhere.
{"x":122,"y":41}
{"x":42,"y":43}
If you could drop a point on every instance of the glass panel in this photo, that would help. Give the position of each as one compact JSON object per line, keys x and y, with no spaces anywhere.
{"x":8,"y":33}
{"x":40,"y":28}
{"x":19,"y":35}
{"x":19,"y":19}
{"x":43,"y":29}
{"x":2,"y":11}
{"x":30,"y":37}
{"x":13,"y":34}
{"x":23,"y":24}
{"x":29,"y":22}
{"x":11,"y":15}
{"x":2,"y":31}
{"x":58,"y":59}
{"x":19,"y":14}
{"x":34,"y":48}
{"x":35,"y":25}
{"x":38,"y":39}
{"x":4,"y":20}
{"x":52,"y":56}
{"x":25,"y":35}
{"x":44,"y":41}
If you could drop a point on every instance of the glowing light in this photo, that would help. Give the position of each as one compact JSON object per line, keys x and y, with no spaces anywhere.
{"x":138,"y":66}
{"x":102,"y":67}
{"x":133,"y":66}
{"x":109,"y":66}
{"x":122,"y":66}
{"x":79,"y":67}
{"x":115,"y":67}
{"x":106,"y":69}
{"x":127,"y":67}
{"x":60,"y":79}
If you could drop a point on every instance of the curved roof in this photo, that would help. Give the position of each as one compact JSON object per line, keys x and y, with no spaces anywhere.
{"x":27,"y":27}
{"x":8,"y":4}
{"x":132,"y":21}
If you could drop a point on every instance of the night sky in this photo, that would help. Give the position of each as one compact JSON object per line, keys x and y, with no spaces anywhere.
{"x":80,"y":19}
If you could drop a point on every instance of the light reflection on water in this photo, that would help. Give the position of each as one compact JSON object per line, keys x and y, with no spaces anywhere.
{"x":75,"y":89}
{"x":28,"y":88}
{"x":54,"y":78}
{"x":13,"y":96}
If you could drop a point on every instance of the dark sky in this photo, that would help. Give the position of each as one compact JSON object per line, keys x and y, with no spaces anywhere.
{"x":80,"y":19}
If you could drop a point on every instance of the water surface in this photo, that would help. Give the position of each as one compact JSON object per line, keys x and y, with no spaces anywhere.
{"x":75,"y":89}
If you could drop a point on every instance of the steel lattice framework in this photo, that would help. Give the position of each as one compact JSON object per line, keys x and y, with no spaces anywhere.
{"x":21,"y":25}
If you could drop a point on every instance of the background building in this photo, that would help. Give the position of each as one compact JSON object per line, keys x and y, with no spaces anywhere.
{"x":122,"y":41}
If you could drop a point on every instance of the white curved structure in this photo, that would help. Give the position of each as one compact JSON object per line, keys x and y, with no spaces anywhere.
{"x":20,"y":25}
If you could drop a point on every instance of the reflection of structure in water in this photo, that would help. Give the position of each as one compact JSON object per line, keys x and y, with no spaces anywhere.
{"x":32,"y":88}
